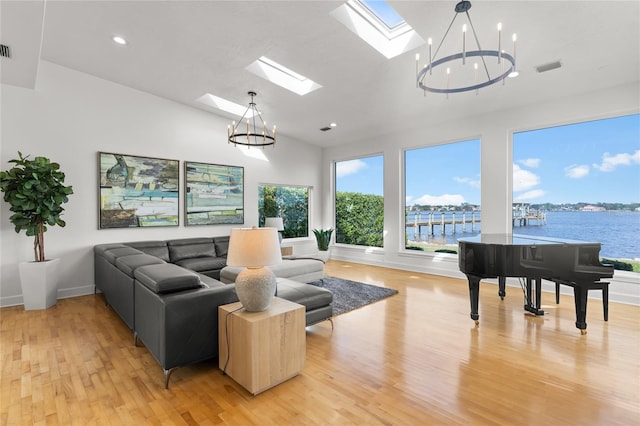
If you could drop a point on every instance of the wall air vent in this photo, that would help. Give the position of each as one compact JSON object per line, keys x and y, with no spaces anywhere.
{"x":548,"y":67}
{"x":5,"y":52}
{"x":324,"y":129}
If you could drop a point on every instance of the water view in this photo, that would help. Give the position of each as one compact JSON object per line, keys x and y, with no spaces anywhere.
{"x":617,"y":231}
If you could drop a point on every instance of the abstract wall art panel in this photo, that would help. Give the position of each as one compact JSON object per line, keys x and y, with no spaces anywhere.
{"x":138,"y":192}
{"x":214,"y":194}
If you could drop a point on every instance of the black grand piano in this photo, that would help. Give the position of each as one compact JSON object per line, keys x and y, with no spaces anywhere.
{"x":570,"y":262}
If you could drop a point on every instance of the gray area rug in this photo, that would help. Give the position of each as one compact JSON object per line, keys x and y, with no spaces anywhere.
{"x":349,"y":295}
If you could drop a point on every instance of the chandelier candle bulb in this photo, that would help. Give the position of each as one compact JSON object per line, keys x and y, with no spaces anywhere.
{"x":417,"y":67}
{"x":475,"y":68}
{"x":514,"y":38}
{"x":499,"y":42}
{"x":430,"y":43}
{"x":464,"y":50}
{"x":448,"y":80}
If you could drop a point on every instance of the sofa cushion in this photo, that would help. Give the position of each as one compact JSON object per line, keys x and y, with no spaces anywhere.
{"x":128,"y":264}
{"x":166,"y":278}
{"x":190,"y":247}
{"x":300,"y":269}
{"x":101,"y":249}
{"x":114,"y":254}
{"x":202,"y":264}
{"x":154,"y":248}
{"x":222,"y":246}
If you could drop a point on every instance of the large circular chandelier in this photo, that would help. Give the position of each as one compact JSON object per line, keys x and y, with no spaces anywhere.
{"x":465,"y":80}
{"x":255,"y":133}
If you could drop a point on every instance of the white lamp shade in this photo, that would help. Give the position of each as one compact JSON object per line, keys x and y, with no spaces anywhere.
{"x":254,"y":247}
{"x":274,"y":222}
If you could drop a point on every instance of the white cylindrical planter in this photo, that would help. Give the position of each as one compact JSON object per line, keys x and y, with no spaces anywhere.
{"x":324,"y":254}
{"x":39,"y":281}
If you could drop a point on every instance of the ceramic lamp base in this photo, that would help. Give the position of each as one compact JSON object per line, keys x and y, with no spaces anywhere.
{"x":255,"y":288}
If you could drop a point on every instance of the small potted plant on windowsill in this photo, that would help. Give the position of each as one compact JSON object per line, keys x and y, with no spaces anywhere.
{"x":323,"y":238}
{"x":35,"y":190}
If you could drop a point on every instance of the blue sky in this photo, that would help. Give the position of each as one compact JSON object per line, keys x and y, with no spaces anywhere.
{"x":597,"y":161}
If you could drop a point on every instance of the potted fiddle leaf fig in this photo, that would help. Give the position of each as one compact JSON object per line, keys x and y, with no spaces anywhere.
{"x":35,"y":190}
{"x":323,"y":238}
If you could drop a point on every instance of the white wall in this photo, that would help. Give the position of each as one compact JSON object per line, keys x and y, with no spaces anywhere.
{"x":71,"y":116}
{"x":494,"y":130}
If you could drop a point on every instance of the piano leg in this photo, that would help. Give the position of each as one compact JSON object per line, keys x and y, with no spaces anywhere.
{"x":580,"y":297}
{"x":534,"y":301}
{"x":474,"y":292}
{"x":502,"y":285}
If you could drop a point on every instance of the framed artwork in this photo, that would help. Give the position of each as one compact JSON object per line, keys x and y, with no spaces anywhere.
{"x":138,"y":192}
{"x":214,"y":194}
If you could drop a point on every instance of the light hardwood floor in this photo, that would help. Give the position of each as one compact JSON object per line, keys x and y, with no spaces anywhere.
{"x":413,"y":359}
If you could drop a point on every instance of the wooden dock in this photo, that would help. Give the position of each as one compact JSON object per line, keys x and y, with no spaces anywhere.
{"x":459,"y":221}
{"x":432,"y":221}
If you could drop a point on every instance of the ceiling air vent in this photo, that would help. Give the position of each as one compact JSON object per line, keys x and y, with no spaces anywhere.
{"x":4,"y":51}
{"x":324,"y":129}
{"x":548,"y":67}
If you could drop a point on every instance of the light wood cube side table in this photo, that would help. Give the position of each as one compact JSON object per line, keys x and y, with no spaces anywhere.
{"x":265,"y":348}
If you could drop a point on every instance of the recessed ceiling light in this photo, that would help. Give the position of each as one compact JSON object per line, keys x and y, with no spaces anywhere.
{"x":333,"y":124}
{"x":119,"y":40}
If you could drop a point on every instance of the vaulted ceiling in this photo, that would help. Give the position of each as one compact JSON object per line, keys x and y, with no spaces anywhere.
{"x":180,"y":50}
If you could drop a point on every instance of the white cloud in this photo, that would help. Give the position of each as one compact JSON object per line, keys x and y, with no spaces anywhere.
{"x":345,"y":168}
{"x":609,"y":162}
{"x":408,"y":199}
{"x":523,"y":179}
{"x":536,"y":193}
{"x":438,"y":200}
{"x":576,"y":171}
{"x":532,"y":163}
{"x":472,"y":183}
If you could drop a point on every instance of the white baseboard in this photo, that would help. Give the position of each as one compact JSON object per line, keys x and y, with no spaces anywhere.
{"x":624,"y":287}
{"x":63,"y":293}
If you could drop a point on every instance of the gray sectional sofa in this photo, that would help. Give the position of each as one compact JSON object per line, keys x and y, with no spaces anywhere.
{"x":168,"y":292}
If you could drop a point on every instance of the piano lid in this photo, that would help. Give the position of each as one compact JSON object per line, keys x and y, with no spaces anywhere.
{"x":519,"y":240}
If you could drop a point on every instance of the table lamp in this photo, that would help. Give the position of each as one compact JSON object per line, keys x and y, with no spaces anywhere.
{"x":254,"y":248}
{"x":275,"y":222}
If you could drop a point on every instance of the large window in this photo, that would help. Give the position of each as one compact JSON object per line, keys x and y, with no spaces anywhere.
{"x":360,"y":202}
{"x":291,"y":203}
{"x":442,"y":188}
{"x":583,"y":182}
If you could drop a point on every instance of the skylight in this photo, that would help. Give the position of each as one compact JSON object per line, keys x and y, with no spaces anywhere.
{"x":282,"y":76}
{"x":385,"y":13}
{"x":378,"y":25}
{"x":224,"y":105}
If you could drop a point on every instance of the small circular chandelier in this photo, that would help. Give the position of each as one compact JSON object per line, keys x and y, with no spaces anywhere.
{"x":466,"y":81}
{"x":256,"y":133}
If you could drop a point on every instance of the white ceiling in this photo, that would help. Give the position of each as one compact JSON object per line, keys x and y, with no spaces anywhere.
{"x":180,"y":50}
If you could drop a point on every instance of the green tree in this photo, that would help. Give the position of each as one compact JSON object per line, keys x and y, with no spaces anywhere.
{"x":359,"y":219}
{"x":289,"y":203}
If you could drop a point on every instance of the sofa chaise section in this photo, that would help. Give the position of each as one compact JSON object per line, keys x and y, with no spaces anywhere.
{"x":177,"y":315}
